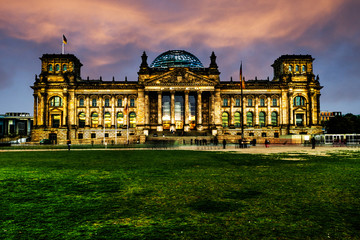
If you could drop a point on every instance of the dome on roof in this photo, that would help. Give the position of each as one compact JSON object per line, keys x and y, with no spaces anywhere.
{"x":176,"y":58}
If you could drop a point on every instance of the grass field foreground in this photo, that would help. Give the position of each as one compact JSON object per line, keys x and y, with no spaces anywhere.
{"x":178,"y":195}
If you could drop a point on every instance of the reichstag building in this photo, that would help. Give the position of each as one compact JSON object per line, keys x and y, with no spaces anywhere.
{"x":174,"y":96}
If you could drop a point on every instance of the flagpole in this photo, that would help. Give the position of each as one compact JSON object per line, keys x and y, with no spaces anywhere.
{"x":63,"y":48}
{"x":116,"y":129}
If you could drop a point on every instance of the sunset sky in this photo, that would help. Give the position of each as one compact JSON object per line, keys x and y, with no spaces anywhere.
{"x":109,"y":37}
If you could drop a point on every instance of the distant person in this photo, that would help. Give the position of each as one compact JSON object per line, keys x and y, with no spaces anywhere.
{"x":224,"y":144}
{"x":69,"y":144}
{"x":313,"y":142}
{"x":267,"y":143}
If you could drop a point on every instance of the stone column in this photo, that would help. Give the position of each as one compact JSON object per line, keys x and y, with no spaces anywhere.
{"x":186,"y":126}
{"x":231,"y":114}
{"x":199,"y":111}
{"x":212,"y":109}
{"x":217,"y":107}
{"x":88,"y":116}
{"x":43,"y":109}
{"x":159,"y":127}
{"x":172,"y":109}
{"x":147,"y":109}
{"x":256,"y":111}
{"x":268,"y":111}
{"x":113,"y":113}
{"x":65,"y":109}
{"x":101,"y":112}
{"x":35,"y":109}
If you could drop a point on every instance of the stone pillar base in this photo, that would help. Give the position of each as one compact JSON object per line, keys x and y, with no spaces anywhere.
{"x":159,"y":128}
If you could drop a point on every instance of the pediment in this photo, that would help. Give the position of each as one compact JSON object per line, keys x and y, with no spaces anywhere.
{"x":180,"y":77}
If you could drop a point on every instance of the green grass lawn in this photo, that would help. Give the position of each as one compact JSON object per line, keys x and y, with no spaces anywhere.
{"x":178,"y":195}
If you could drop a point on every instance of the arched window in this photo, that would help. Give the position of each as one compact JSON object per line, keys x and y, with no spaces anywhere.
{"x":132,"y":118}
{"x":94,"y":120}
{"x":299,"y":101}
{"x":225,"y":102}
{"x":82,"y":118}
{"x":107,"y":120}
{"x":107,"y":102}
{"x":303,"y":68}
{"x":274,"y":119}
{"x":119,"y":102}
{"x":93,"y":102}
{"x":64,"y":67}
{"x":50,"y":67}
{"x":250,"y":102}
{"x":237,"y":119}
{"x":249,"y":119}
{"x":262,"y":117}
{"x":57,"y":67}
{"x":120,"y":119}
{"x":296,"y":68}
{"x":290,"y":68}
{"x":56,"y":101}
{"x":225,"y":119}
{"x":81,"y":102}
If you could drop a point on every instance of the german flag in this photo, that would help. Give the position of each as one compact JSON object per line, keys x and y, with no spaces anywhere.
{"x":64,"y":39}
{"x":241,"y":77}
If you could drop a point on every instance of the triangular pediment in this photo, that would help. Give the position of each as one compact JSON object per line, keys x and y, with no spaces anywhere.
{"x":180,"y":76}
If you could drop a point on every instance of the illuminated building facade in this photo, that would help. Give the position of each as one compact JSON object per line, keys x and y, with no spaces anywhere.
{"x":174,"y":94}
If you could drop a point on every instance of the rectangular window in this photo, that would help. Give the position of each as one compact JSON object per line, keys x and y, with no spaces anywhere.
{"x":81,"y":102}
{"x":299,"y":119}
{"x":93,"y":103}
{"x":93,"y":135}
{"x":132,"y":102}
{"x":274,"y":102}
{"x":107,"y":102}
{"x":119,"y":102}
{"x":237,"y":102}
{"x":225,"y":102}
{"x":250,"y":102}
{"x":262,"y":102}
{"x":106,"y":135}
{"x":80,"y":136}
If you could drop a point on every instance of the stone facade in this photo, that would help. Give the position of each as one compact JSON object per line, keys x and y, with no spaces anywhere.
{"x":180,"y":97}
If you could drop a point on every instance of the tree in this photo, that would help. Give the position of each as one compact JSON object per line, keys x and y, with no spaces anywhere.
{"x":343,"y":124}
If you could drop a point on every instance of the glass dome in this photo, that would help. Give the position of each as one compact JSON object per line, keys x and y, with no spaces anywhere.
{"x":176,"y":58}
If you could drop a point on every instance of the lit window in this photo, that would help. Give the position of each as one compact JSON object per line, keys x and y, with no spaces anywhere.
{"x":107,"y":120}
{"x":64,"y":67}
{"x":81,"y":102}
{"x":299,"y":101}
{"x":296,"y":68}
{"x":132,"y":118}
{"x":50,"y":68}
{"x":120,"y":120}
{"x":225,"y":102}
{"x":132,"y":102}
{"x":57,"y":67}
{"x":262,"y":102}
{"x":107,"y":102}
{"x":82,"y":120}
{"x":274,"y":118}
{"x":237,"y":102}
{"x":119,"y":102}
{"x":56,"y":102}
{"x":249,"y":119}
{"x":262,"y":117}
{"x":93,"y":102}
{"x":237,"y":119}
{"x":55,"y":119}
{"x":225,"y":119}
{"x":290,"y":68}
{"x":94,"y":120}
{"x":250,"y":102}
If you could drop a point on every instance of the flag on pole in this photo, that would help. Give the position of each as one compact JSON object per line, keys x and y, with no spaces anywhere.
{"x":64,"y":39}
{"x":241,"y":77}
